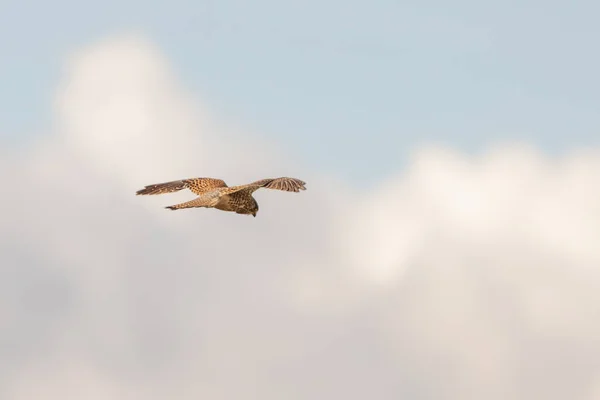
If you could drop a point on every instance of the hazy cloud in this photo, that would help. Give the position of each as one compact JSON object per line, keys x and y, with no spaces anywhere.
{"x":461,"y":278}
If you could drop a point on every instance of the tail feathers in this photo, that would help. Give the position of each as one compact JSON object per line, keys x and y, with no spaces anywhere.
{"x":160,"y":188}
{"x":202,"y":201}
{"x":176,"y":207}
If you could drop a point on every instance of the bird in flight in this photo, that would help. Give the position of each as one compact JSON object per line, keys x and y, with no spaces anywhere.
{"x":214,"y":193}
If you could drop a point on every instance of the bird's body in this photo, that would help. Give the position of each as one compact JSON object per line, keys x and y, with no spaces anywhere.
{"x":214,"y":193}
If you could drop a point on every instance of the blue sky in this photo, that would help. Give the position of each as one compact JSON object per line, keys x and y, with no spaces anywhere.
{"x":350,"y":86}
{"x":429,"y":286}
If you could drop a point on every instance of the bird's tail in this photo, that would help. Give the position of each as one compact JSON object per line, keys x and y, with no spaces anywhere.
{"x":160,"y":188}
{"x":175,"y":207}
{"x":197,"y":202}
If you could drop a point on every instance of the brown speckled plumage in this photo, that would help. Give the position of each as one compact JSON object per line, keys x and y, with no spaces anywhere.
{"x":214,"y":193}
{"x":196,"y":185}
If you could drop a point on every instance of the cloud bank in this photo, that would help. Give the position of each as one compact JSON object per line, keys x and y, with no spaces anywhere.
{"x":464,"y":277}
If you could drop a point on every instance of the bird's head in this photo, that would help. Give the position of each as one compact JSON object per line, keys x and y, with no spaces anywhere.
{"x":254,"y":209}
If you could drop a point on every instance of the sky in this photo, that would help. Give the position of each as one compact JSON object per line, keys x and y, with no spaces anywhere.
{"x":337,"y":82}
{"x":447,"y":245}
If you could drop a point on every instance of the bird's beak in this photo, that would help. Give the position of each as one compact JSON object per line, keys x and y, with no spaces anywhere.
{"x":254,"y":215}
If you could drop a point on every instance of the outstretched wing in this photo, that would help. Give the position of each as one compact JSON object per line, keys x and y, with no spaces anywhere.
{"x":203,"y":185}
{"x":196,"y":185}
{"x":286,"y":184}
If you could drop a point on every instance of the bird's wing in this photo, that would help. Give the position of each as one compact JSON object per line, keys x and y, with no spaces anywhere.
{"x":196,"y":185}
{"x":286,"y":184}
{"x":203,"y":185}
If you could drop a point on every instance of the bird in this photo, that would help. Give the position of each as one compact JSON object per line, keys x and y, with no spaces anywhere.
{"x":214,"y":193}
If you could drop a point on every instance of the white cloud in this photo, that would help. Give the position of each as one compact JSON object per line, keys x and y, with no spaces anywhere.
{"x":490,"y":264}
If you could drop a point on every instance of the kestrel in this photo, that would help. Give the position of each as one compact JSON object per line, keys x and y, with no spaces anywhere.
{"x":214,"y":193}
